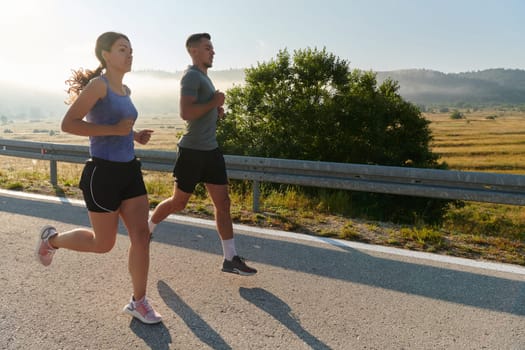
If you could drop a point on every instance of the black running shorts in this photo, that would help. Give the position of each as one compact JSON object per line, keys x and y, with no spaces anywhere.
{"x":105,"y":184}
{"x":194,"y":166}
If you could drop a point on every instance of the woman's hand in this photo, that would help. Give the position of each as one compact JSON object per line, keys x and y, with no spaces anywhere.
{"x":123,"y":127}
{"x":142,"y":136}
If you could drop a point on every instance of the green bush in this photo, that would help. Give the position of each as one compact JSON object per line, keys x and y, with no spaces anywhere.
{"x":313,"y":107}
{"x":457,"y":115}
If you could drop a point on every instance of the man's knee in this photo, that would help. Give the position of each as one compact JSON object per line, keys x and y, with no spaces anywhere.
{"x":223,"y":204}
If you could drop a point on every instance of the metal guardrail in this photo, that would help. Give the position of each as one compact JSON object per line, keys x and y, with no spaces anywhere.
{"x":431,"y":183}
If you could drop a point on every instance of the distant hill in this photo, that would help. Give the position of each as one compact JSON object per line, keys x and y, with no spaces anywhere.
{"x":157,"y":91}
{"x":480,"y":88}
{"x":428,"y":87}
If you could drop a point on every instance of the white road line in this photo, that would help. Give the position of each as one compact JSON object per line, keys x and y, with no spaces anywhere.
{"x":516,"y":269}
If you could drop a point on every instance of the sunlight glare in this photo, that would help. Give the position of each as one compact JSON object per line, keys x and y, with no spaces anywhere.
{"x":29,"y":41}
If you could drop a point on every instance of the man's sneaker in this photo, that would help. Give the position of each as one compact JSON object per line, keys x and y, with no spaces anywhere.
{"x":142,"y":310}
{"x":44,"y":250}
{"x":238,"y":266}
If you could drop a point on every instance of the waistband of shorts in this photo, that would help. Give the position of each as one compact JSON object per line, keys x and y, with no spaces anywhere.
{"x":202,"y":151}
{"x":110,"y":163}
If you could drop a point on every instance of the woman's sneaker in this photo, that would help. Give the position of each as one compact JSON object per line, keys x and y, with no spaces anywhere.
{"x":44,"y":250}
{"x":237,"y":265}
{"x":142,"y":310}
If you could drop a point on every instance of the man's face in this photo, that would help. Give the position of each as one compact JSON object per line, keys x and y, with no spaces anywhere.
{"x":203,"y":53}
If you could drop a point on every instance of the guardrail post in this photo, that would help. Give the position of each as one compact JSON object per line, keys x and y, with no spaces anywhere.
{"x":53,"y":172}
{"x":256,"y":195}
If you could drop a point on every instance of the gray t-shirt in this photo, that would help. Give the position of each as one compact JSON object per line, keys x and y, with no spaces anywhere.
{"x":200,"y":133}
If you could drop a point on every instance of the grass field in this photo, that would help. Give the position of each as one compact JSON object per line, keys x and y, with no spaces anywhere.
{"x":491,"y":141}
{"x":485,"y":140}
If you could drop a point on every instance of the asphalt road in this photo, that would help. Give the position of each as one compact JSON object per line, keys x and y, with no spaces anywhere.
{"x":308,"y":294}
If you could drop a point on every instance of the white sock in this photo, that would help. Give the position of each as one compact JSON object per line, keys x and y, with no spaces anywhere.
{"x":151,"y":226}
{"x":228,"y":249}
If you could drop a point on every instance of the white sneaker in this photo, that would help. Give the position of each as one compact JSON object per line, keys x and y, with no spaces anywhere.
{"x":44,"y":250}
{"x":142,"y":310}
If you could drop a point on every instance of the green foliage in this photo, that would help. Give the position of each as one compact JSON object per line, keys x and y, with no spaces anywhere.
{"x":425,"y":236}
{"x":485,"y":220}
{"x":338,"y":202}
{"x":15,"y":186}
{"x":457,"y":115}
{"x":312,"y":106}
{"x":350,"y":232}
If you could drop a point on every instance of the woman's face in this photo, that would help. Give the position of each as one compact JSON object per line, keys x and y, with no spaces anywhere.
{"x":120,"y":57}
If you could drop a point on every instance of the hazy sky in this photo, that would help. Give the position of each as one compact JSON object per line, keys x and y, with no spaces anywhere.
{"x":42,"y":40}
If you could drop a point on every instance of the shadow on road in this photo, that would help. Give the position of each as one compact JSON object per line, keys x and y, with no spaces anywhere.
{"x":156,"y":336}
{"x":279,"y":310}
{"x":195,"y":323}
{"x":347,"y":264}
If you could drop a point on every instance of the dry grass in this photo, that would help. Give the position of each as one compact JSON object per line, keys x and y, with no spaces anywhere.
{"x":491,"y":140}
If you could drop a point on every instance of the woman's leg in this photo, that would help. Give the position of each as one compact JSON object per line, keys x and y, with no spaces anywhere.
{"x":134,"y":213}
{"x":100,"y":240}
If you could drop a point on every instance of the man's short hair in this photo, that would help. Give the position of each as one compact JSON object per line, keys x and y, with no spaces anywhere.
{"x":195,"y":38}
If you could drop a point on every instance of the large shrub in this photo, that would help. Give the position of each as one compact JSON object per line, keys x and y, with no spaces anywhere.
{"x":312,"y":106}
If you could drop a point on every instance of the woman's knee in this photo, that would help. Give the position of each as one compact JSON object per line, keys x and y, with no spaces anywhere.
{"x":140,"y":239}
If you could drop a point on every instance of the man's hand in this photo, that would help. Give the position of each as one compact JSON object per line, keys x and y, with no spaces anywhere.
{"x":142,"y":136}
{"x":221,"y":114}
{"x":218,"y":98}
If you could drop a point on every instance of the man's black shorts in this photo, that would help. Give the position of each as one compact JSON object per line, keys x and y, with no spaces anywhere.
{"x":194,"y":166}
{"x":105,"y":184}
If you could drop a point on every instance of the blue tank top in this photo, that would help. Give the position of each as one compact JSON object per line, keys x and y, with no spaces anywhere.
{"x":110,"y":110}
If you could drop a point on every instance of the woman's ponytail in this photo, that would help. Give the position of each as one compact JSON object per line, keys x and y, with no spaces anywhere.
{"x":78,"y":81}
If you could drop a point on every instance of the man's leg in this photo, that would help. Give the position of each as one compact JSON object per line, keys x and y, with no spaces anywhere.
{"x":221,"y":201}
{"x":172,"y":205}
